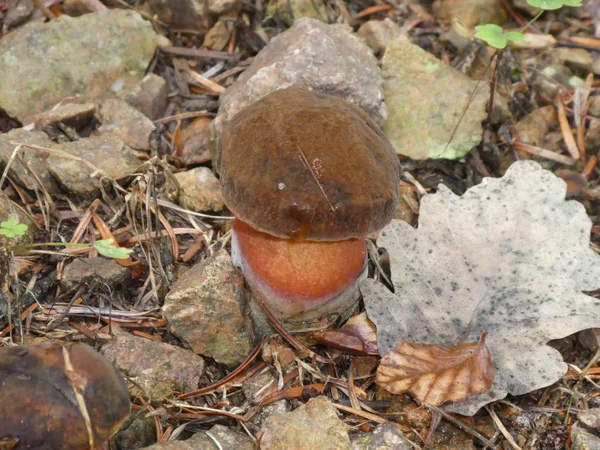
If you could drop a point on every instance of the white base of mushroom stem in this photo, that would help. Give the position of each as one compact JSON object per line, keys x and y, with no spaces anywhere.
{"x":299,"y":314}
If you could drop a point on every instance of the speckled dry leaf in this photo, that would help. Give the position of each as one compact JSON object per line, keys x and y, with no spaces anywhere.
{"x":510,"y":256}
{"x":436,"y":374}
{"x":358,"y":336}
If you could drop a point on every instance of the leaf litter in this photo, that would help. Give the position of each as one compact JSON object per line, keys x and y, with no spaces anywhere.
{"x":510,"y":257}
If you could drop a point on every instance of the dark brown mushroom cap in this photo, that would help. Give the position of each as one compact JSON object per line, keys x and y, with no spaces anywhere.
{"x":302,"y":165}
{"x":59,"y":397}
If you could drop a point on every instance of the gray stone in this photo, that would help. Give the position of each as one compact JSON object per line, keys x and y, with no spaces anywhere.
{"x":18,"y":12}
{"x":106,"y":269}
{"x":533,"y":128}
{"x":379,"y":34}
{"x":320,"y":57}
{"x":74,"y":115}
{"x":272,"y":409}
{"x":108,"y":156}
{"x":127,"y":122}
{"x":10,"y":210}
{"x":583,"y":440}
{"x":423,"y":110}
{"x":218,"y":36}
{"x":183,"y":14}
{"x":525,"y":6}
{"x":590,"y":417}
{"x":288,"y":11}
{"x":158,"y":368}
{"x":200,"y":190}
{"x":35,"y":159}
{"x":41,"y":64}
{"x":578,"y":59}
{"x":220,"y":7}
{"x":206,"y":309}
{"x":254,"y":387}
{"x":141,"y":433}
{"x":314,"y":425}
{"x":149,"y":96}
{"x":195,"y":139}
{"x":386,"y":436}
{"x":227,"y":438}
{"x":472,"y":12}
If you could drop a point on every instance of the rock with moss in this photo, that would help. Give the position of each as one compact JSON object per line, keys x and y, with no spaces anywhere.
{"x":95,"y":55}
{"x":426,"y":101}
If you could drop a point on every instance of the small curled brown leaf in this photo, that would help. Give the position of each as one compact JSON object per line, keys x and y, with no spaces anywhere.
{"x":358,"y":336}
{"x":435,"y":374}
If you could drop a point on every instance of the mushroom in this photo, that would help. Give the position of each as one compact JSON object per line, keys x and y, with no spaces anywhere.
{"x":308,"y":177}
{"x":59,"y":397}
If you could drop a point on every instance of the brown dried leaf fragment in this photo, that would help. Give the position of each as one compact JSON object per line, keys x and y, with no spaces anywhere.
{"x":358,"y":336}
{"x":436,"y":374}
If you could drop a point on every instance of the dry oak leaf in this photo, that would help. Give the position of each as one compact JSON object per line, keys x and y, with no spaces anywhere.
{"x":358,"y":336}
{"x":510,"y":256}
{"x":435,"y":374}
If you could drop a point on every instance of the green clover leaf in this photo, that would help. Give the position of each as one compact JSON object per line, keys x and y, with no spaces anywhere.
{"x":553,"y":4}
{"x":106,"y":248}
{"x":495,"y":36}
{"x":12,"y":228}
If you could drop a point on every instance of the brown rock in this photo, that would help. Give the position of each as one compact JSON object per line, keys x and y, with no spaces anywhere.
{"x":200,"y":190}
{"x":578,"y":59}
{"x":75,"y":115}
{"x":149,"y":96}
{"x":195,"y":142}
{"x":532,"y":128}
{"x":227,"y":437}
{"x":183,"y":14}
{"x":314,"y":425}
{"x":124,"y":120}
{"x":206,"y":308}
{"x":107,"y":269}
{"x":218,"y":36}
{"x":108,"y":155}
{"x":378,"y":34}
{"x":472,"y":12}
{"x":221,"y":7}
{"x":36,"y":160}
{"x":76,"y":8}
{"x":159,"y":368}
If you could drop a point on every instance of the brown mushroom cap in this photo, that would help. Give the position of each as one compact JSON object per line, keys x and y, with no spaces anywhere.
{"x":302,"y":165}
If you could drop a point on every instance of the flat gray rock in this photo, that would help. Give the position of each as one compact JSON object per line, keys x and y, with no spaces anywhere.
{"x":325,"y":58}
{"x":157,"y":367}
{"x":34,"y":159}
{"x":426,"y":100}
{"x":92,"y":55}
{"x":100,"y":156}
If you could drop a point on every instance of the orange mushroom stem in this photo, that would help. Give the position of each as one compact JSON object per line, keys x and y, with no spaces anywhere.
{"x":296,"y":277}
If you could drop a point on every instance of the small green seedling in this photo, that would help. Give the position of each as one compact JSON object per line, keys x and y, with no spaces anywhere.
{"x":497,"y":38}
{"x":548,"y":5}
{"x":105,"y":247}
{"x":12,"y":228}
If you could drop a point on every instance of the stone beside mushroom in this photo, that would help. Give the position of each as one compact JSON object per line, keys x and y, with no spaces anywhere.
{"x":308,"y":177}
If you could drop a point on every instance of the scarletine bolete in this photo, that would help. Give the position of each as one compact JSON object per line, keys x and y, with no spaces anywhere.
{"x":308,"y":177}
